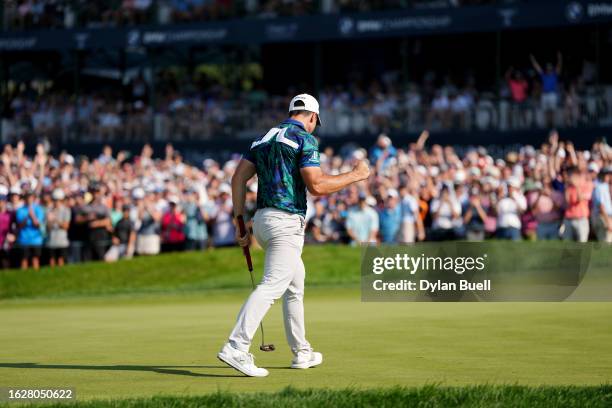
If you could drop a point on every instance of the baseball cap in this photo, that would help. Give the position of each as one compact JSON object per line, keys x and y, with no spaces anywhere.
{"x":138,"y":193}
{"x":58,"y":194}
{"x":225,"y":188}
{"x":305,"y":102}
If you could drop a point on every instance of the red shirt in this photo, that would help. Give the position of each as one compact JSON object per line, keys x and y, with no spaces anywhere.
{"x":173,"y":228}
{"x":518,"y":89}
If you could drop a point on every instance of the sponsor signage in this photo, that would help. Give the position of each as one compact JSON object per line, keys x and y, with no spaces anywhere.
{"x":320,"y":28}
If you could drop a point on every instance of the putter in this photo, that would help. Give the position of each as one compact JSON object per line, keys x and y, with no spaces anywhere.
{"x":247,"y":255}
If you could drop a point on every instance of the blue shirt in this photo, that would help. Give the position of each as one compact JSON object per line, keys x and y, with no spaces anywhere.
{"x":410,"y":209}
{"x":376,"y":153}
{"x":30,"y":234}
{"x":362,"y":222}
{"x":195,"y":227}
{"x":549,"y":82}
{"x":601,"y":196}
{"x":390,"y":219}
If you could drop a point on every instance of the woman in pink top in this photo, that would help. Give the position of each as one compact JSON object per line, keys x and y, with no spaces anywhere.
{"x":519,"y":91}
{"x":547,"y":209}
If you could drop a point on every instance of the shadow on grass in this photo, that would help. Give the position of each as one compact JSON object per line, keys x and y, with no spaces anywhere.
{"x":154,"y":369}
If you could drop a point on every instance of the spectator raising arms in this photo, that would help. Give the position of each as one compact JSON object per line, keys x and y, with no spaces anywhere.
{"x":475,"y":217}
{"x":30,"y":219}
{"x":173,"y":227}
{"x":445,"y":212}
{"x":196,"y":233}
{"x":58,"y":222}
{"x":550,"y":86}
{"x":509,"y":210}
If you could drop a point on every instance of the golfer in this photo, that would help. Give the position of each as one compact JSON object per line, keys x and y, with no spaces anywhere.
{"x":286,"y":161}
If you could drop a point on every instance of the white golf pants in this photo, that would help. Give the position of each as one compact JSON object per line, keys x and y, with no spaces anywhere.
{"x":281,"y":234}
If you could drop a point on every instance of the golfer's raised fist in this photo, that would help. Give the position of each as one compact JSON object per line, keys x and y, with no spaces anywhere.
{"x":362,"y":170}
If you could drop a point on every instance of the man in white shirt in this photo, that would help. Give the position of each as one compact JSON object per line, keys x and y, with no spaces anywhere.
{"x":601,"y":213}
{"x":509,"y":210}
{"x":446,"y":214}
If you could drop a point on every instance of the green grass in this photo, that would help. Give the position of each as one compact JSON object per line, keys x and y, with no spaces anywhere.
{"x":181,"y":272}
{"x":150,"y":345}
{"x":151,"y":327}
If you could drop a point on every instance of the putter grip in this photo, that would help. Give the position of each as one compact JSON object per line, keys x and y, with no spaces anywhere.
{"x":245,"y":250}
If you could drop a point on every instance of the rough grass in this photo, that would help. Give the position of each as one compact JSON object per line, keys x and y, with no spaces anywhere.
{"x":425,"y":397}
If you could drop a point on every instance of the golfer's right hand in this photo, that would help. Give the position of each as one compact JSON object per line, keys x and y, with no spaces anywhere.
{"x":243,"y":241}
{"x":362,"y":170}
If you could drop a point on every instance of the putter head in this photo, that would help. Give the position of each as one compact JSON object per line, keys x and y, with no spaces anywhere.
{"x":267,"y":347}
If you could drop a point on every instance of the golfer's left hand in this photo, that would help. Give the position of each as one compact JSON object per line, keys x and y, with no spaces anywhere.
{"x":243,"y":241}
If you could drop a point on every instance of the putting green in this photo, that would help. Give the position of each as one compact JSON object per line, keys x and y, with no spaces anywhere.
{"x":143,"y":345}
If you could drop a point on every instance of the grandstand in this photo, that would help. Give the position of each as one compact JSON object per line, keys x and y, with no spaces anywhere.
{"x":194,"y":72}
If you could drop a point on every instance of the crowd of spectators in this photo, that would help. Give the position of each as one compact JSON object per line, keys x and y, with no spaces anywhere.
{"x":29,"y":14}
{"x":417,"y":193}
{"x":66,"y":209}
{"x":529,"y":97}
{"x":190,"y":109}
{"x":58,"y":209}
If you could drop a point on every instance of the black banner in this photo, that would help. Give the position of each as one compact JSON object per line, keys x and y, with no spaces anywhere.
{"x":320,"y":28}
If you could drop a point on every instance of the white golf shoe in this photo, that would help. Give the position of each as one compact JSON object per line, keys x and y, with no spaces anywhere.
{"x":241,"y":361}
{"x":307,"y":359}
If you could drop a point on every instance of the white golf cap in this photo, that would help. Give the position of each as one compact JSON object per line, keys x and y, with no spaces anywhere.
{"x":305,"y":102}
